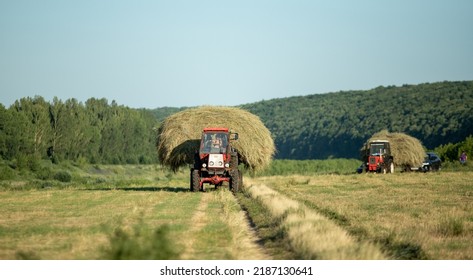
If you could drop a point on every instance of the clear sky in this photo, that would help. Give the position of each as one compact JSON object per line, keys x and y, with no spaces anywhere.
{"x":187,"y":53}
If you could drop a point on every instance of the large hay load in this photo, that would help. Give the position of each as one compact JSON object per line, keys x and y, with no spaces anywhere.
{"x":406,"y":151}
{"x":179,"y":135}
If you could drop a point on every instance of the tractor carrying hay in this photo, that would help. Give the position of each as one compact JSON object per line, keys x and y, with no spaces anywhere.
{"x":178,"y":137}
{"x":385,"y":150}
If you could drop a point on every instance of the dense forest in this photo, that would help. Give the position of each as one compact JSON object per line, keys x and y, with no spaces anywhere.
{"x":335,"y":125}
{"x":97,"y":132}
{"x":318,"y":126}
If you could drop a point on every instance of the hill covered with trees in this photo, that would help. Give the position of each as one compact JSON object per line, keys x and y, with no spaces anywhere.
{"x":318,"y":126}
{"x":335,"y":125}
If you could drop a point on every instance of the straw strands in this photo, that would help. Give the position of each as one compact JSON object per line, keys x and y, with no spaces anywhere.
{"x":178,"y":136}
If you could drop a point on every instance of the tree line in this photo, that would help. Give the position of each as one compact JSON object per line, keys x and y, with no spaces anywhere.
{"x":335,"y":125}
{"x":95,"y":131}
{"x":318,"y":126}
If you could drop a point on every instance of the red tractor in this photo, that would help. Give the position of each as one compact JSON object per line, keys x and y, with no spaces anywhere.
{"x":216,"y":161}
{"x":378,"y":157}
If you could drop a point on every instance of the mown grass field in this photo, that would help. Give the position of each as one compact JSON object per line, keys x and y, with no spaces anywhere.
{"x":410,"y":215}
{"x":145,"y":212}
{"x":121,"y":212}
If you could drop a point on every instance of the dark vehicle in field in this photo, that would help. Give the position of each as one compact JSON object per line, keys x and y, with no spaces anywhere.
{"x":216,"y":161}
{"x":432,"y":162}
{"x":377,"y":157}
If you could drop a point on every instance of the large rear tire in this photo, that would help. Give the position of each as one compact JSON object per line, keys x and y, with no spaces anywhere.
{"x":391,"y":167}
{"x":195,"y":180}
{"x":240,"y":177}
{"x":234,"y":160}
{"x":235,"y":180}
{"x":191,"y":176}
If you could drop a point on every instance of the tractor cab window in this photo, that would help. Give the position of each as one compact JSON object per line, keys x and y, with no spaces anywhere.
{"x":214,"y":143}
{"x":377,"y":149}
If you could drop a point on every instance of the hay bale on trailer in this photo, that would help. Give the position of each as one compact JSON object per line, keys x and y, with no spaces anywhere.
{"x":178,"y":136}
{"x":406,"y":150}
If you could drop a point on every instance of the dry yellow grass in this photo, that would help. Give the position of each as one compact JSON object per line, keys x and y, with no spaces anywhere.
{"x":244,"y":242}
{"x":219,"y":230}
{"x":414,"y":215}
{"x":179,"y":134}
{"x":79,"y":221}
{"x":311,"y":235}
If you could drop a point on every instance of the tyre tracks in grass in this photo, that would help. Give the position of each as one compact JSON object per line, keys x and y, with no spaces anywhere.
{"x":198,"y":221}
{"x":310,"y":234}
{"x":220,"y":230}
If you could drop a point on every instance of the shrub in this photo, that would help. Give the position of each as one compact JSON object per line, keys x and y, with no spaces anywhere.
{"x":20,"y":162}
{"x":34,"y":163}
{"x":44,"y":173}
{"x":141,"y":245}
{"x":63,"y":176}
{"x":6,"y":173}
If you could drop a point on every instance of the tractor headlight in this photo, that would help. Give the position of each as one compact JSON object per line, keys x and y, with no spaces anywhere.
{"x":204,"y":165}
{"x":220,"y":163}
{"x":227,"y":165}
{"x":211,"y":163}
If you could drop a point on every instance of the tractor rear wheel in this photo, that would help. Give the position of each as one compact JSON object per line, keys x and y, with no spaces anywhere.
{"x":191,"y":176}
{"x":235,"y":180}
{"x":240,"y":178}
{"x":195,"y":180}
{"x":234,"y":160}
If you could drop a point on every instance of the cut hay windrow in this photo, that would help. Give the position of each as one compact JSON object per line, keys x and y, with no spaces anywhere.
{"x":406,"y":150}
{"x":178,"y":136}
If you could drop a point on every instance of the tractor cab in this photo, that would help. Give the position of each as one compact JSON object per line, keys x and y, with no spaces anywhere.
{"x":379,"y":148}
{"x":214,"y":142}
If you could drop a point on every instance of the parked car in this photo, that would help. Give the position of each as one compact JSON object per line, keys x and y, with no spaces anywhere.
{"x":432,"y":162}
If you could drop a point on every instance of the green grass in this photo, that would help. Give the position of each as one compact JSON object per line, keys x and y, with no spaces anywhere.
{"x":310,"y":234}
{"x":286,"y":167}
{"x":102,"y":211}
{"x":78,"y":223}
{"x":412,"y":215}
{"x":120,"y":212}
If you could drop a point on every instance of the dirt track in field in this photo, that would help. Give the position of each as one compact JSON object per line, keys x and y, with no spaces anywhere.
{"x":243,"y":243}
{"x":198,"y":221}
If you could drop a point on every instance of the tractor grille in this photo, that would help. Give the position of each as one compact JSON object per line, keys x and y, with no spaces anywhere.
{"x":372,"y":160}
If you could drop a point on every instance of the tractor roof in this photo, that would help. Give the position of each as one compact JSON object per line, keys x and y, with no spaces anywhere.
{"x":213,"y":129}
{"x":379,"y":141}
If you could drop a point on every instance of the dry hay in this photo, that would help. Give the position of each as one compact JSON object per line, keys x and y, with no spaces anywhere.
{"x":406,"y":150}
{"x":178,"y":136}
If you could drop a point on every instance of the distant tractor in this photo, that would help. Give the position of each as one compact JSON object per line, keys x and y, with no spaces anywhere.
{"x":378,"y":158}
{"x":216,"y":161}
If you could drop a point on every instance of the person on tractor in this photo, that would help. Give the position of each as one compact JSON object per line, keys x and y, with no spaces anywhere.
{"x":216,"y":143}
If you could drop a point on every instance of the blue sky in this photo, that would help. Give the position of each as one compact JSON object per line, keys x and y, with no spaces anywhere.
{"x":187,"y":53}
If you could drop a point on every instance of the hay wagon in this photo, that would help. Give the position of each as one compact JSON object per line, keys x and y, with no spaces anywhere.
{"x":180,"y":135}
{"x":384,"y":151}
